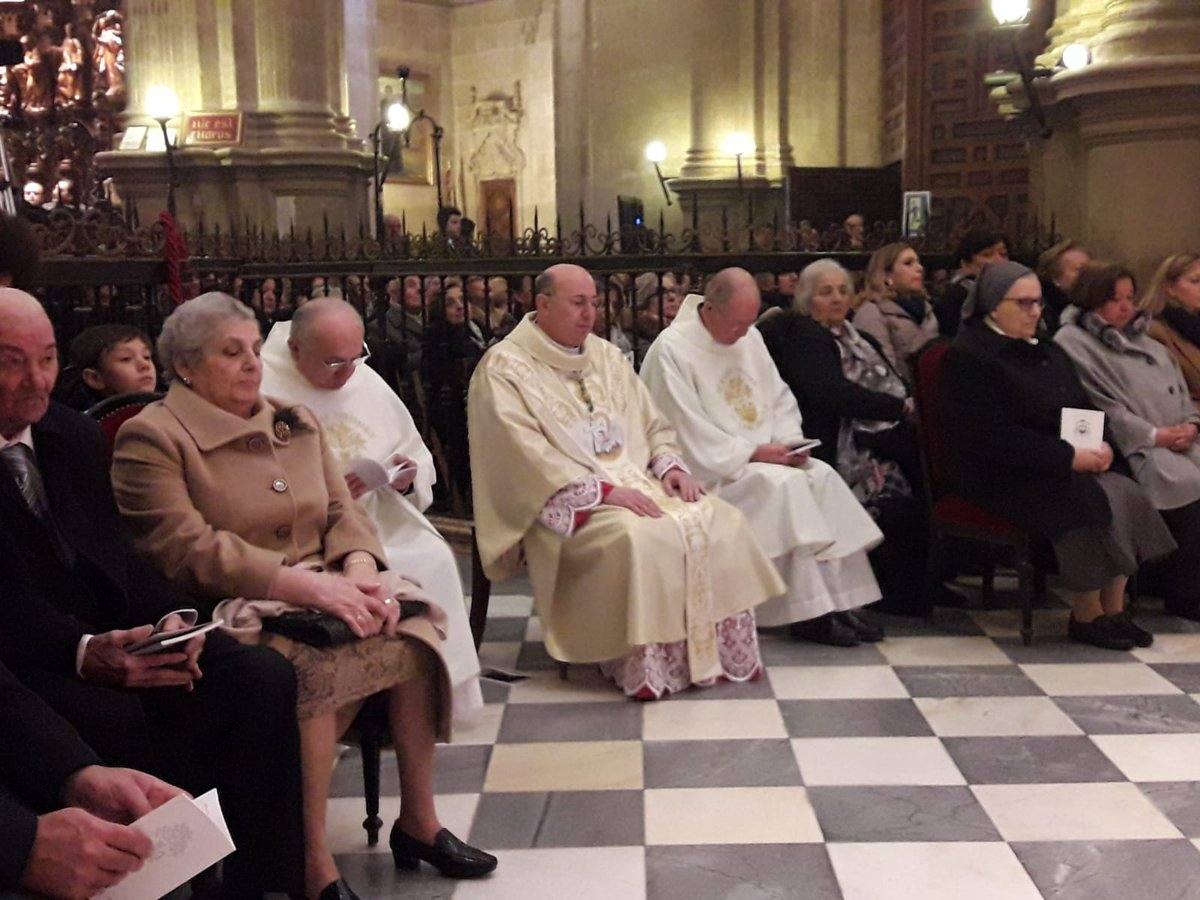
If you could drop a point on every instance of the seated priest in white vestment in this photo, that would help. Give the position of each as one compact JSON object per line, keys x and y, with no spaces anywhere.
{"x":632,"y":566}
{"x":315,"y":361}
{"x":740,"y":430}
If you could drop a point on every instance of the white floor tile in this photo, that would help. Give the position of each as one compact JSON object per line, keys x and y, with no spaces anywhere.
{"x":1073,"y":812}
{"x":943,"y":651}
{"x":483,"y":727}
{"x":1171,"y":648}
{"x":931,"y":871}
{"x":502,"y":606}
{"x":745,"y":815}
{"x":566,"y":766}
{"x":1098,"y":679}
{"x":698,"y":720}
{"x":499,"y":655}
{"x":995,"y":716}
{"x":1153,"y":757}
{"x":875,"y":761}
{"x":591,"y":873}
{"x":835,"y":682}
{"x":584,"y":684}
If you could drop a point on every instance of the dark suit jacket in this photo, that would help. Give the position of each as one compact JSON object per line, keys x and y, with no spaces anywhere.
{"x":38,"y":752}
{"x":50,"y":605}
{"x":810,"y":363}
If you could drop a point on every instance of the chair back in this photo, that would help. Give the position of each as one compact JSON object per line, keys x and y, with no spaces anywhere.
{"x":113,"y":412}
{"x":931,"y":432}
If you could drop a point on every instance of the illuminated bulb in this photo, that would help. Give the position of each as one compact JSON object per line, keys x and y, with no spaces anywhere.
{"x":656,"y":151}
{"x":1076,"y":56}
{"x":1010,"y":12}
{"x":399,"y":116}
{"x":739,"y":143}
{"x":161,"y":103}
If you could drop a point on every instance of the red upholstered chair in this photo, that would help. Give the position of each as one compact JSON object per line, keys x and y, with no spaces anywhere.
{"x":953,"y":516}
{"x":113,"y":412}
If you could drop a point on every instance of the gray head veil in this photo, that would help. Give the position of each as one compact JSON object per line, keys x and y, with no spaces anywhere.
{"x":990,"y":287}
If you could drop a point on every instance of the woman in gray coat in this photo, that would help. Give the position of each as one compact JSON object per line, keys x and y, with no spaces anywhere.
{"x":1139,"y":386}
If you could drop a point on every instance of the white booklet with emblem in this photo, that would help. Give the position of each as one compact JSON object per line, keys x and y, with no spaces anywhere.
{"x":1082,"y":428}
{"x":188,"y":836}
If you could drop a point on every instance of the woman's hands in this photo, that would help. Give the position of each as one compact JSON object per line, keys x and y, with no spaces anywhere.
{"x":1176,"y":437}
{"x":1094,"y":461}
{"x":356,"y":598}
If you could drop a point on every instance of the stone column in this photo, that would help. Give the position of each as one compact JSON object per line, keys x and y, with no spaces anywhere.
{"x":282,"y":64}
{"x":1120,"y":171}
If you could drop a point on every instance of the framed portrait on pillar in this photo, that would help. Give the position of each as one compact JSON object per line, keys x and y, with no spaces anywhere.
{"x":412,"y":164}
{"x":916,"y":213}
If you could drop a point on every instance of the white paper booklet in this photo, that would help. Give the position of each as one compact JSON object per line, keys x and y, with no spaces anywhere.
{"x":369,"y":472}
{"x":1082,"y":428}
{"x":188,"y":836}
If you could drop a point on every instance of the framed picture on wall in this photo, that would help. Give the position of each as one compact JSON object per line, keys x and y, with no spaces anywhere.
{"x":412,"y":164}
{"x":916,"y":213}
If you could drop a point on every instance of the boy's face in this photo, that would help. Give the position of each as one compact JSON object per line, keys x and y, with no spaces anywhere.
{"x":126,"y":368}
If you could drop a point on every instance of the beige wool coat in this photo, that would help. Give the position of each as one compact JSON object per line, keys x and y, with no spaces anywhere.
{"x":218,"y":503}
{"x":900,"y":336}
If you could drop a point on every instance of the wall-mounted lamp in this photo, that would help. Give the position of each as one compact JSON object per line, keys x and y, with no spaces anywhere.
{"x":1076,"y":56}
{"x":656,"y":152}
{"x":399,"y":119}
{"x":162,"y":105}
{"x":737,"y":145}
{"x":1010,"y":12}
{"x":1012,"y":18}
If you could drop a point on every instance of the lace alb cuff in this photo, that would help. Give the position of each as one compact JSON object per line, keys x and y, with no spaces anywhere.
{"x":664,"y":463}
{"x":582,"y":494}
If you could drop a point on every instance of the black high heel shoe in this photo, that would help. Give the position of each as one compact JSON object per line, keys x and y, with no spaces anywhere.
{"x":450,"y":856}
{"x":335,"y":890}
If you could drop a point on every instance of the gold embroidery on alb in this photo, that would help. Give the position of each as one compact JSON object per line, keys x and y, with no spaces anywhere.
{"x":739,"y":397}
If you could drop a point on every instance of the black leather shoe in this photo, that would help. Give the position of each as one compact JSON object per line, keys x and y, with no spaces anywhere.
{"x":1140,"y":636}
{"x":450,"y":856}
{"x":864,"y":630}
{"x":337,"y":890}
{"x":824,"y":630}
{"x":1103,"y":631}
{"x":1185,"y":609}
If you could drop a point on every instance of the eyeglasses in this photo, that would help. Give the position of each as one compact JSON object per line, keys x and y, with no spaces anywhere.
{"x":1027,"y":304}
{"x":338,"y":364}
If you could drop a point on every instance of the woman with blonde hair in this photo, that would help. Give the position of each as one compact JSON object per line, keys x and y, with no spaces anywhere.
{"x":902,"y":319}
{"x":1173,"y":301}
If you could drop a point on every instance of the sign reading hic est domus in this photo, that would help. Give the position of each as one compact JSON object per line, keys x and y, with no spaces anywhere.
{"x":212,"y":129}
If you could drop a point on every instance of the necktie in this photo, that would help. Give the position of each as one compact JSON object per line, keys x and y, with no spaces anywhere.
{"x":24,"y":470}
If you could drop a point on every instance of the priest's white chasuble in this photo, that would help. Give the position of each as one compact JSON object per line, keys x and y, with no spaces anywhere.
{"x":365,"y":419}
{"x":725,"y":400}
{"x":543,"y":418}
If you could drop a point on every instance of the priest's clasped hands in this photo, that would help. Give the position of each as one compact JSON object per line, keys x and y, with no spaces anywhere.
{"x":780,"y":455}
{"x":676,"y":483}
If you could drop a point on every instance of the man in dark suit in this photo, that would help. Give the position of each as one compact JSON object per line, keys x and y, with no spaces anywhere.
{"x":209,"y":713}
{"x":80,"y":844}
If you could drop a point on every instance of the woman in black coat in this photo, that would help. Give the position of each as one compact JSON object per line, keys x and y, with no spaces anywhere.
{"x":1003,"y":393}
{"x":855,"y":402}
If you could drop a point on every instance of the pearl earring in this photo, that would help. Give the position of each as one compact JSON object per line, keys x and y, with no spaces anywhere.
{"x":185,"y":380}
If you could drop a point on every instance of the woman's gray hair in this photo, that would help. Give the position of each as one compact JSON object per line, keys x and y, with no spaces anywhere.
{"x":810,"y":277}
{"x":191,"y":326}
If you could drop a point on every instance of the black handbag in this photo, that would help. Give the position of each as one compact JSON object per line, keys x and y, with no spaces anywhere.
{"x":318,"y":629}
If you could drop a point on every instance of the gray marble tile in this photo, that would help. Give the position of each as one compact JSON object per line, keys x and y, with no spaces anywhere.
{"x":901,"y":813}
{"x":374,"y":875}
{"x":780,"y":650}
{"x":458,"y":769}
{"x":494,"y":691}
{"x":967,"y":681}
{"x":1056,"y":648}
{"x":506,"y":628}
{"x":348,"y":779}
{"x":1185,"y":676}
{"x":559,"y":819}
{"x":1112,"y":870}
{"x":540,"y":722}
{"x":728,"y":690}
{"x":744,"y":872}
{"x":1179,"y":802}
{"x":534,"y":657}
{"x":1133,"y":714}
{"x":706,"y":764}
{"x":1030,"y":760}
{"x":853,"y":718}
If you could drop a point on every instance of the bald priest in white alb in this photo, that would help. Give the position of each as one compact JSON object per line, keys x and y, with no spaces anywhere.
{"x":632,"y":566}
{"x":316,"y":361}
{"x":739,"y":425}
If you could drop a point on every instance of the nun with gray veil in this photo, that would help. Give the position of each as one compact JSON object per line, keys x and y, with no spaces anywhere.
{"x":1003,"y":392}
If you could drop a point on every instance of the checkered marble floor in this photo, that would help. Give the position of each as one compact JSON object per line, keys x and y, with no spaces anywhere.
{"x":947,"y":762}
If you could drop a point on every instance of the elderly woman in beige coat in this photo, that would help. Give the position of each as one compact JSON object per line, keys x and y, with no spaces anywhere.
{"x":233,"y":495}
{"x":901,"y":319}
{"x":1138,"y":385}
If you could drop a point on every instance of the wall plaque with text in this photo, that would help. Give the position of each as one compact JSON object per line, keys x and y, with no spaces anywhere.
{"x":215,"y":129}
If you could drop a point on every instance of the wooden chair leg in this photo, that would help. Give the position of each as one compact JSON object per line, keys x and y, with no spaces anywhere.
{"x":370,"y":741}
{"x":989,"y":584}
{"x":1039,"y":583}
{"x":481,"y":593}
{"x":1025,"y":582}
{"x":563,"y":670}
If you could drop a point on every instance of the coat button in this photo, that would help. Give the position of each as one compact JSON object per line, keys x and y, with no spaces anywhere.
{"x":1171,"y":389}
{"x":283,"y":532}
{"x":256,"y":444}
{"x":279,"y":485}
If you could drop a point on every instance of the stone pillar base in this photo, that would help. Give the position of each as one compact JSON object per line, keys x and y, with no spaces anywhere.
{"x":726,"y":212}
{"x":271,"y":188}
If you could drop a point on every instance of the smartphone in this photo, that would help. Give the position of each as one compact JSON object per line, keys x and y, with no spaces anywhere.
{"x":162,"y":641}
{"x":804,"y":446}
